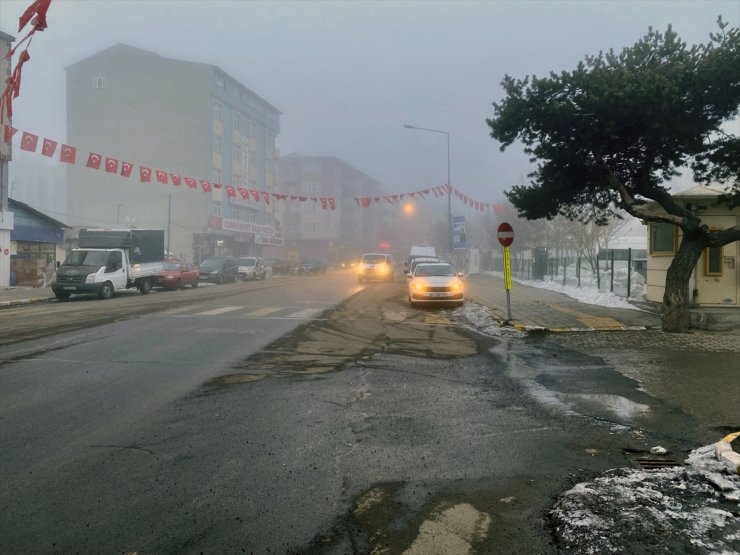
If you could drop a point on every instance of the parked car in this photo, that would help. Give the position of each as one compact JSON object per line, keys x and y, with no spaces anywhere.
{"x":435,"y":282}
{"x":376,"y":266}
{"x":176,"y":275}
{"x":251,"y":268}
{"x":311,"y":267}
{"x":218,"y":269}
{"x":282,"y":267}
{"x":416,"y":260}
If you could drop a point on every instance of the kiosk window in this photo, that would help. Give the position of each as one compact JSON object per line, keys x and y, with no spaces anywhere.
{"x":662,"y":238}
{"x":713,"y":261}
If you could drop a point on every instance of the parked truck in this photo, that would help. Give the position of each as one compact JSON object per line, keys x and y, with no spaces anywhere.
{"x":109,"y":260}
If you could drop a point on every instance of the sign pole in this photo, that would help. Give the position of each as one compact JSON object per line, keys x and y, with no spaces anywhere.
{"x":505,"y":236}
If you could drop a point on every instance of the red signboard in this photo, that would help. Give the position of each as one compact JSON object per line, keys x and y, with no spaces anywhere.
{"x":505,"y":234}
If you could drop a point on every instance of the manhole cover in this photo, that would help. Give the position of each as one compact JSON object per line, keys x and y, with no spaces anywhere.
{"x":648,"y":461}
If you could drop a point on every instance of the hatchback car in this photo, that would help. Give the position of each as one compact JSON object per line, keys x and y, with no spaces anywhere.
{"x":251,"y":268}
{"x":176,"y":275}
{"x":218,"y":269}
{"x":375,"y":266}
{"x":435,"y":283}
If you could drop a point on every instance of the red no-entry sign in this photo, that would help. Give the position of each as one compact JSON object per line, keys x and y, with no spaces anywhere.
{"x":505,"y":234}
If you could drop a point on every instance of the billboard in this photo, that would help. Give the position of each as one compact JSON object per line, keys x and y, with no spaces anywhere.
{"x":458,"y":232}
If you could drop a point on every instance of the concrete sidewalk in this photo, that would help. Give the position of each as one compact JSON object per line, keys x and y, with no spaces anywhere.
{"x":15,"y":296}
{"x":536,"y":309}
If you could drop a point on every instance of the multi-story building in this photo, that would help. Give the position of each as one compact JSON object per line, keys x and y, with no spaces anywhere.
{"x":183,"y":118}
{"x":313,"y":231}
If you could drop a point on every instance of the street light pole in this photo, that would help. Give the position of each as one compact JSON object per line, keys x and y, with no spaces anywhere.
{"x":449,"y":182}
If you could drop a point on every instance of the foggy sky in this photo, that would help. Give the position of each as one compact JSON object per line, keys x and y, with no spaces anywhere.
{"x":348,"y":75}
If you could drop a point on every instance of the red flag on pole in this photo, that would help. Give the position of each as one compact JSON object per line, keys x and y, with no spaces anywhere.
{"x":230,"y":191}
{"x":323,"y":203}
{"x":126,"y":169}
{"x":190,"y":182}
{"x":205,"y":186}
{"x":161,"y":177}
{"x":244,"y":193}
{"x":332,"y":205}
{"x":175,"y":179}
{"x":9,"y":132}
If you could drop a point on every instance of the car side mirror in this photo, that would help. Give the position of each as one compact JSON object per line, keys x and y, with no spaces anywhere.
{"x":460,"y":274}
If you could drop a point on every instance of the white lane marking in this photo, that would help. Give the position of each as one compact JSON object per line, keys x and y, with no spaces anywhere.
{"x":263,"y":311}
{"x":306,"y":314}
{"x":216,"y":311}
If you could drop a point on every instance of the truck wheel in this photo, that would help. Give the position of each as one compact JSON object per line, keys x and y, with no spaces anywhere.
{"x":195,"y":284}
{"x":62,"y":295}
{"x":178,"y":285}
{"x":145,"y":287}
{"x":106,"y":291}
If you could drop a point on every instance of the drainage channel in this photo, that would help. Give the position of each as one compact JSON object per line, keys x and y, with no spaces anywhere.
{"x":648,"y":461}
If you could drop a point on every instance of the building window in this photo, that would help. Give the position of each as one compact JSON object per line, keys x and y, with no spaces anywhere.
{"x":236,"y":153}
{"x":312,"y":188}
{"x":216,"y":208}
{"x":217,"y":111}
{"x":217,"y":175}
{"x":713,"y":261}
{"x":236,"y":121}
{"x":663,"y":239}
{"x":252,"y":159}
{"x":99,"y":81}
{"x":236,"y":179}
{"x":236,"y":212}
{"x":252,"y":130}
{"x":217,"y":143}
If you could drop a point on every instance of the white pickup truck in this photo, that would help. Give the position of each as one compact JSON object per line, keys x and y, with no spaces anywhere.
{"x":111,"y":260}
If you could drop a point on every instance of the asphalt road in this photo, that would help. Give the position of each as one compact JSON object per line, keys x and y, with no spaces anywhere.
{"x":290,"y":416}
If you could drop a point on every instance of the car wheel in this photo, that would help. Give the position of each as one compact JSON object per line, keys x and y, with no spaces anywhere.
{"x":62,"y":295}
{"x":146,"y":287}
{"x":106,"y":291}
{"x":178,"y":285}
{"x":195,"y":284}
{"x":220,"y":279}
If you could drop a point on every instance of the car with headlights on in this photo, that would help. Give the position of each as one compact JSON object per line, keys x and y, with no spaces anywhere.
{"x":376,"y":267}
{"x":176,"y":275}
{"x":435,"y":283}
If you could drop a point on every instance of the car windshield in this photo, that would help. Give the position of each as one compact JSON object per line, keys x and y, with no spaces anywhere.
{"x":426,"y":270}
{"x":87,"y":258}
{"x":374,"y":258}
{"x":247,"y":262}
{"x":212,"y":264}
{"x":170,"y":266}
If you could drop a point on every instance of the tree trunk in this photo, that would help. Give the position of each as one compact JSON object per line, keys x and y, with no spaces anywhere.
{"x":677,"y":297}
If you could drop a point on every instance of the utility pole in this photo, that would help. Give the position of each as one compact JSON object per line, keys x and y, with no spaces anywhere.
{"x":169,"y":221}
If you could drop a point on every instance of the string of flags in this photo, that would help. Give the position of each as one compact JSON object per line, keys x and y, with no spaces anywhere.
{"x":439,"y":191}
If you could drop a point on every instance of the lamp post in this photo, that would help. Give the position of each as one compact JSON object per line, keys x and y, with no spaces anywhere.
{"x":449,"y":182}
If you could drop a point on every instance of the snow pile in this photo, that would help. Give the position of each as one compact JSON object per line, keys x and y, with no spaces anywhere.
{"x":690,"y":509}
{"x":478,"y":318}
{"x":585,"y":294}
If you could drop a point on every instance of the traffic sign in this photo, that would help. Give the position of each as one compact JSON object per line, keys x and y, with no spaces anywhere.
{"x":505,"y":234}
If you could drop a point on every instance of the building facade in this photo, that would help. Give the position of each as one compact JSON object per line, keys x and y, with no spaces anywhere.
{"x":715,"y":281}
{"x":182,"y":118}
{"x":334,"y":235}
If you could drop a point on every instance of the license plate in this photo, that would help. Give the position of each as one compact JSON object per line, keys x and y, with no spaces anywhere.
{"x":69,"y":288}
{"x":438,"y":294}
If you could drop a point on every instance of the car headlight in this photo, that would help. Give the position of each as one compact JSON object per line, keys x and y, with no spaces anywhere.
{"x":456,"y":285}
{"x":383,"y":269}
{"x":419,"y":286}
{"x":90,"y":278}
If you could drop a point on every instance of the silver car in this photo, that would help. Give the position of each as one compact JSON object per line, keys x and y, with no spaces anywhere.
{"x":435,"y":283}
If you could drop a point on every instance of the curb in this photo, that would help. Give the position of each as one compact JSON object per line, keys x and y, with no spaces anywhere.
{"x":725,"y":454}
{"x":19,"y":302}
{"x":528,"y":328}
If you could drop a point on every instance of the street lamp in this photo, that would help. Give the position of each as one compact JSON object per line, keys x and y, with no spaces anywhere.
{"x":449,"y":182}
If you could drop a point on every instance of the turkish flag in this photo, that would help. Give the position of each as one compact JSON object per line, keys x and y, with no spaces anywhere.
{"x":230,"y":191}
{"x":255,"y":195}
{"x":93,"y":161}
{"x":323,"y":203}
{"x":126,"y":169}
{"x":29,"y":141}
{"x":244,"y":193}
{"x":176,"y":180}
{"x":190,"y":182}
{"x":49,"y":147}
{"x":111,"y":165}
{"x":68,"y":154}
{"x":266,"y":197}
{"x":9,"y":132}
{"x":332,"y":205}
{"x":205,"y":186}
{"x":162,"y":177}
{"x":37,"y":12}
{"x":145,"y":174}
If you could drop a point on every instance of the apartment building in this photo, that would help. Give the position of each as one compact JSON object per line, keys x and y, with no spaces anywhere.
{"x":335,"y":235}
{"x":182,"y":118}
